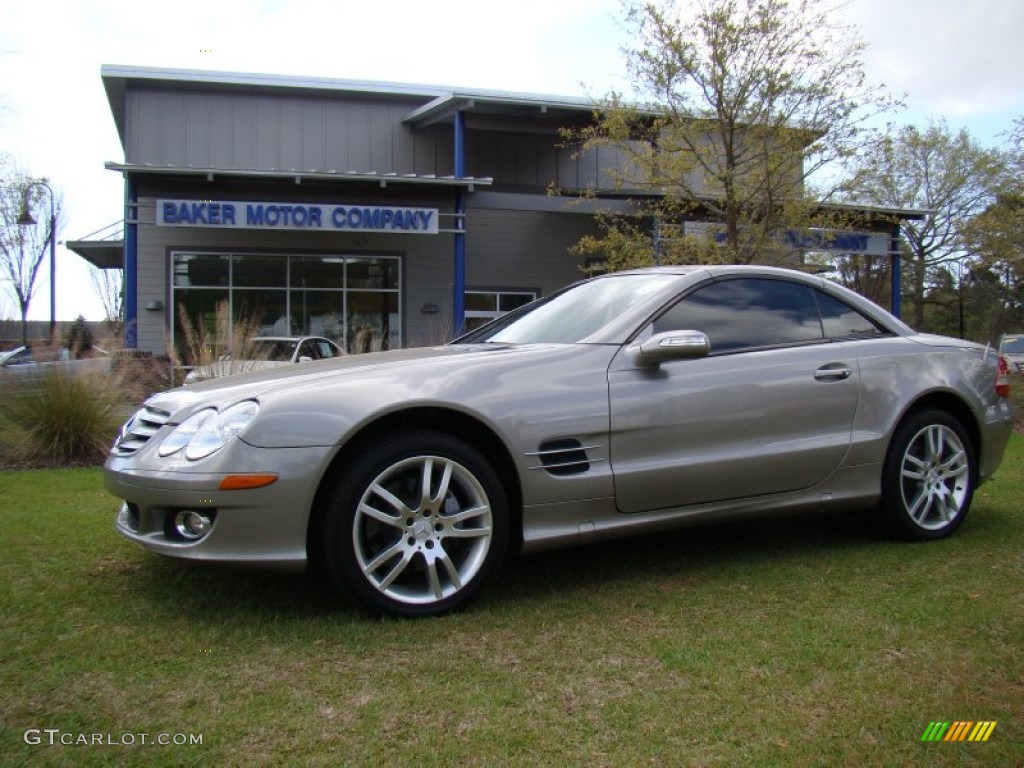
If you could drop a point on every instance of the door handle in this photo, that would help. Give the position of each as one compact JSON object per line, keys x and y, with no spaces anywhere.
{"x":833,"y":373}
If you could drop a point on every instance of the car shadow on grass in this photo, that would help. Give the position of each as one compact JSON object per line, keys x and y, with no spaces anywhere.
{"x":697,"y":554}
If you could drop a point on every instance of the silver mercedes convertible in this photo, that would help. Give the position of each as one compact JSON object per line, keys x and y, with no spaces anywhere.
{"x":629,"y":403}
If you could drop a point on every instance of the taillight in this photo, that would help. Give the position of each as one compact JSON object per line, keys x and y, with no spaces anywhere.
{"x":1003,"y":378}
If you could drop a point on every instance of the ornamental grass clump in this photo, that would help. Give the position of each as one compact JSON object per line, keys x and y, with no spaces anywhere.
{"x":56,"y":416}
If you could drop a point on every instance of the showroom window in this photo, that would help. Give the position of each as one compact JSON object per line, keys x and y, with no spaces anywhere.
{"x":483,"y":306}
{"x":217,"y":297}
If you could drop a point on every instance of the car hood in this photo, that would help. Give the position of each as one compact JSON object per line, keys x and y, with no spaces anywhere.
{"x":419,"y":364}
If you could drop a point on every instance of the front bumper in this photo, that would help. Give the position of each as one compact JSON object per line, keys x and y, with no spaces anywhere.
{"x":264,"y":527}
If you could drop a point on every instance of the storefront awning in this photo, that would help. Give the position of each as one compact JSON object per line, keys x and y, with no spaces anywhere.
{"x":103,"y":248}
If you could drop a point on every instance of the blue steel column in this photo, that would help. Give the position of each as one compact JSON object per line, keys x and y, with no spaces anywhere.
{"x":459,"y":278}
{"x":131,"y":266}
{"x":896,"y":264}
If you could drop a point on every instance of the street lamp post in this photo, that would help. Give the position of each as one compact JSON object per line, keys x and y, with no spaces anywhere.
{"x":25,"y":219}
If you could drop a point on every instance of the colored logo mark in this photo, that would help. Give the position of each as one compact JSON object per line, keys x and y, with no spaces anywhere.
{"x":959,"y":730}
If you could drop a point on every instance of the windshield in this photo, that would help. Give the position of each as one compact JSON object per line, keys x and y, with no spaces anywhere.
{"x":1012,"y":344}
{"x":269,"y":349}
{"x":572,"y":315}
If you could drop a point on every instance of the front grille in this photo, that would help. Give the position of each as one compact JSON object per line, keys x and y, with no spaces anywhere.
{"x":563,"y":457}
{"x":138,"y":431}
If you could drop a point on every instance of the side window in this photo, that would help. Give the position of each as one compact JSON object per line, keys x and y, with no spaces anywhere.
{"x":324,"y":350}
{"x":747,"y":313}
{"x":841,"y":321}
{"x":307,"y":350}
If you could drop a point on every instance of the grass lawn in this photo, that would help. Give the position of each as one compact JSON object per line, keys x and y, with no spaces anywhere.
{"x":802,"y":642}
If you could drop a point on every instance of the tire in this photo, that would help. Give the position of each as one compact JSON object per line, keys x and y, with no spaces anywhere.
{"x":928,"y":478}
{"x":415,"y":525}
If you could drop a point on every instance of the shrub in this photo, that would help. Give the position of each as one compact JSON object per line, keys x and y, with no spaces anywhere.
{"x":56,"y":416}
{"x":79,"y":337}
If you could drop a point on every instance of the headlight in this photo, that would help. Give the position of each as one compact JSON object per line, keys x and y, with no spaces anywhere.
{"x":208,"y":431}
{"x":184,"y":432}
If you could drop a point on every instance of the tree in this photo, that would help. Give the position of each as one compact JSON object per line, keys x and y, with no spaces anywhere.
{"x":23,"y":248}
{"x":108,"y":284}
{"x":737,"y":107}
{"x":79,"y":338}
{"x":995,"y":237}
{"x":947,"y":175}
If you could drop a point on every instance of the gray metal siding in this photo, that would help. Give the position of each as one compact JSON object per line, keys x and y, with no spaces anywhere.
{"x":523,"y":249}
{"x":262,"y":132}
{"x":257,"y":131}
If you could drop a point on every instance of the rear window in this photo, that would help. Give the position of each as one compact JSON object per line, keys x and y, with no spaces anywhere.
{"x":841,"y":321}
{"x":1014,"y":345}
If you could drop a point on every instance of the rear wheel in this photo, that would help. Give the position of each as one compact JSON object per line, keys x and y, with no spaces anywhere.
{"x":415,"y":525}
{"x":929,"y":477}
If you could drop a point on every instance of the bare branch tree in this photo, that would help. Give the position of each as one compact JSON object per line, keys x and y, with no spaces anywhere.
{"x":108,"y":285}
{"x":948,"y":175}
{"x":23,"y":247}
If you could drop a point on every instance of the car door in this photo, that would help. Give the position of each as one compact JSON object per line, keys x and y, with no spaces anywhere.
{"x":770,"y":410}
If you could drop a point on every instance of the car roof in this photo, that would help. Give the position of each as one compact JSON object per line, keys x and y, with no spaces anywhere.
{"x":693,"y":274}
{"x":286,"y":338}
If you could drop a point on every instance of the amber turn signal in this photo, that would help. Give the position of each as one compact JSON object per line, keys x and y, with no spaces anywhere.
{"x":246,"y":482}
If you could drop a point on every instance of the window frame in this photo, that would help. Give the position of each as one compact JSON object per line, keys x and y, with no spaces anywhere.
{"x":813,"y":293}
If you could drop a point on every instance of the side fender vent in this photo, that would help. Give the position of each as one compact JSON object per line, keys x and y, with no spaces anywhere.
{"x":566,"y":456}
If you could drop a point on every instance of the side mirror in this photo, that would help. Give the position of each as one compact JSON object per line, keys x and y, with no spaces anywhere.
{"x":305,"y":359}
{"x":670,"y":345}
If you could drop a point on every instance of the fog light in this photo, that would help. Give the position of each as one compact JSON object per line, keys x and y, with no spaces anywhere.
{"x":192,"y":525}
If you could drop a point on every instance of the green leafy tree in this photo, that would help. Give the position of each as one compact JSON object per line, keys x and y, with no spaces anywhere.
{"x":738,"y":103}
{"x":949,"y":176}
{"x":995,"y":237}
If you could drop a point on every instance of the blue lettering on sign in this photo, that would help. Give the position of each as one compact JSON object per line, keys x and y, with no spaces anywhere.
{"x":213,"y":214}
{"x":258,"y":215}
{"x":209,"y":213}
{"x":827,"y":241}
{"x":381,"y":218}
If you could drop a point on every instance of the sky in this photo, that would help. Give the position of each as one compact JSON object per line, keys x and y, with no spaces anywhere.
{"x":948,"y":59}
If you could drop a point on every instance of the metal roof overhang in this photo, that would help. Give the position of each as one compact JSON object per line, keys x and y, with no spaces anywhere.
{"x":381,"y":179}
{"x":103,"y":254}
{"x":485,"y":107}
{"x":879,"y":213}
{"x":430,"y":104}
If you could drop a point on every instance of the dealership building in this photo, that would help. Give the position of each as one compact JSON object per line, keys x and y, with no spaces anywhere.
{"x":379,"y":215}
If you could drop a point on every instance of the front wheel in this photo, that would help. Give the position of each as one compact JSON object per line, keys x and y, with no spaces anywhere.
{"x":928,"y":478}
{"x":415,"y":525}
